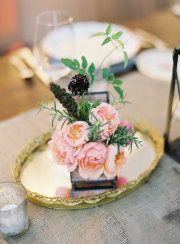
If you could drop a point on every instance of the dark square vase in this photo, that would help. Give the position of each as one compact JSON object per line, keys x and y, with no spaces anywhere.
{"x":101,"y":184}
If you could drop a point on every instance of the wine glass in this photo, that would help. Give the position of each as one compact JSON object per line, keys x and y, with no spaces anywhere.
{"x":53,"y":41}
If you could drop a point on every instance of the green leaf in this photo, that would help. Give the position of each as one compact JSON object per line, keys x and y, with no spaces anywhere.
{"x":105,"y":73}
{"x":108,"y":29}
{"x":111,"y":77}
{"x":120,"y":43}
{"x":125,"y":59}
{"x":117,"y":82}
{"x":77,"y":64}
{"x":117,"y":35}
{"x":98,"y":34}
{"x":82,"y":72}
{"x":119,"y":91}
{"x":84,"y":62}
{"x":91,"y":78}
{"x":91,"y":68}
{"x":69,"y":63}
{"x":106,"y":40}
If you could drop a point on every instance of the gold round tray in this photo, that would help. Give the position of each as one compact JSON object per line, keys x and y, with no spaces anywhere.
{"x":150,"y":134}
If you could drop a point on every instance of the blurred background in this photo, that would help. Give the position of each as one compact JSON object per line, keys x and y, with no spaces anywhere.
{"x":17,"y":17}
{"x":150,"y":23}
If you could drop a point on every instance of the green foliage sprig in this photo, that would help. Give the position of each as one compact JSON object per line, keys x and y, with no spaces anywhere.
{"x":65,"y":99}
{"x":115,"y":82}
{"x":81,"y":67}
{"x":73,"y":110}
{"x":84,"y":108}
{"x":124,"y":137}
{"x":114,"y":39}
{"x":56,"y":113}
{"x":95,"y":129}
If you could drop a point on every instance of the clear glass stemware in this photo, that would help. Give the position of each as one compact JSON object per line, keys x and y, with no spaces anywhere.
{"x":53,"y":41}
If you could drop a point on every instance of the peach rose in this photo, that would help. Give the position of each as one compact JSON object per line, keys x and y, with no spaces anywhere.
{"x":91,"y":160}
{"x":114,"y":161}
{"x":62,"y":151}
{"x":106,"y":114}
{"x":125,"y":123}
{"x":76,"y":134}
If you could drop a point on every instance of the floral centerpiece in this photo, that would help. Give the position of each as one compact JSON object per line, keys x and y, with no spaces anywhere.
{"x":91,"y":138}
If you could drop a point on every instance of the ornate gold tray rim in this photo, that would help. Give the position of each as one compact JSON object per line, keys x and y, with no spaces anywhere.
{"x":87,"y":202}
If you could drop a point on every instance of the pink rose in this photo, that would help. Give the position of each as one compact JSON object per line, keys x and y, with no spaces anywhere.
{"x":106,"y":114}
{"x":76,"y":134}
{"x":62,"y":151}
{"x":121,"y":181}
{"x":63,"y":192}
{"x":114,"y":161}
{"x":125,"y":123}
{"x":91,"y":160}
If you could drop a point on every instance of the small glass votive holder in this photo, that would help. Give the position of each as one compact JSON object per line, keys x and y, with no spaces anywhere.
{"x":13,"y":209}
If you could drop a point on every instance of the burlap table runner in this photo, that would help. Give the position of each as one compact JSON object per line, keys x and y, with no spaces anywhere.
{"x":149,"y":215}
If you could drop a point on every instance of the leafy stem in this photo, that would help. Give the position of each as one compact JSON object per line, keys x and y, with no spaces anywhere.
{"x":111,"y":38}
{"x":122,"y":51}
{"x":124,"y":137}
{"x":83,"y":105}
{"x":84,"y":108}
{"x":56,"y":114}
{"x":81,"y":67}
{"x":104,"y":59}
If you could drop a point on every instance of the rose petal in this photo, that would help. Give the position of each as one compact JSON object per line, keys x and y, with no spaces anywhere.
{"x":121,"y":181}
{"x":90,"y":172}
{"x":110,"y":162}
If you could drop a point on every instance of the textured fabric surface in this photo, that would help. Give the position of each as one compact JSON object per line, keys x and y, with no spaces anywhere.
{"x":149,"y":215}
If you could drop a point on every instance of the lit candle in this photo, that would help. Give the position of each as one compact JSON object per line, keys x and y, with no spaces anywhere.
{"x":13,"y":209}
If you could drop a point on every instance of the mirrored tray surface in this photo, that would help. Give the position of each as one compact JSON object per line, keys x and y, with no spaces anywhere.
{"x":48,"y":183}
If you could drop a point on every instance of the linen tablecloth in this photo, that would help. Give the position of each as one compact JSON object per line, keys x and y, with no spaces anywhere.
{"x":149,"y":215}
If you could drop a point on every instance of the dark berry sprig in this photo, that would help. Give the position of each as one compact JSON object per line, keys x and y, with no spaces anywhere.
{"x":65,"y":99}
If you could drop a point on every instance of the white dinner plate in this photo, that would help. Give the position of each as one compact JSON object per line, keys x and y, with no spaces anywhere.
{"x":55,"y":43}
{"x":176,"y":9}
{"x":156,"y":64}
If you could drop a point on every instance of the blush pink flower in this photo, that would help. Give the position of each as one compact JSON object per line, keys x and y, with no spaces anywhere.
{"x":62,"y":151}
{"x":63,"y":192}
{"x":125,"y":123}
{"x":76,"y":134}
{"x":91,"y":160}
{"x":114,"y":161}
{"x":106,"y":114}
{"x":121,"y":181}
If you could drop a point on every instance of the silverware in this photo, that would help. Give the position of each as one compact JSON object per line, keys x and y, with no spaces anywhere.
{"x":24,"y":72}
{"x":28,"y":59}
